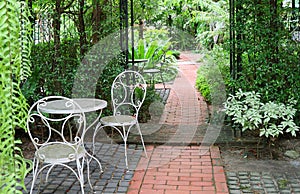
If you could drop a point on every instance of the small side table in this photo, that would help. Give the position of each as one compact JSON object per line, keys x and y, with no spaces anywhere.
{"x":137,"y":61}
{"x":86,"y":104}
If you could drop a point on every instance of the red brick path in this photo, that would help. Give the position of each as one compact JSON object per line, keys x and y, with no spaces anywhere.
{"x":188,"y":172}
{"x":181,"y":169}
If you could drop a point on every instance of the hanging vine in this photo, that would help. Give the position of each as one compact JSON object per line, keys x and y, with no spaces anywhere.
{"x":14,"y":67}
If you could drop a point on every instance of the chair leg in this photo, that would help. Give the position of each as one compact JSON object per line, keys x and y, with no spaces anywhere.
{"x":162,"y":79}
{"x":34,"y":173}
{"x":80,"y":174}
{"x":98,"y":128}
{"x":142,"y":140}
{"x":124,"y":136}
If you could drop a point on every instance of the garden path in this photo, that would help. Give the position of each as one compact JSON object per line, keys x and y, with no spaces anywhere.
{"x":176,"y":163}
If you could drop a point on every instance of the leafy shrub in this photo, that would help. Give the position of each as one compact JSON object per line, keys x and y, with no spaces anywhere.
{"x":267,"y":59}
{"x":213,"y":74}
{"x":52,"y":77}
{"x":103,"y":90}
{"x":202,"y":83}
{"x":270,"y":119}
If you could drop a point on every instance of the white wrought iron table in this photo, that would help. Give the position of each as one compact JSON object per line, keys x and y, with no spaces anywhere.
{"x":86,"y":104}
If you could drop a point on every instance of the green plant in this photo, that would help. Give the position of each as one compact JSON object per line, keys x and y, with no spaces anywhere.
{"x":202,"y":85}
{"x":49,"y":76}
{"x":151,"y":97}
{"x":213,"y":74}
{"x":15,"y":46}
{"x":104,"y":83}
{"x":266,"y":58}
{"x":270,"y":119}
{"x":157,"y":51}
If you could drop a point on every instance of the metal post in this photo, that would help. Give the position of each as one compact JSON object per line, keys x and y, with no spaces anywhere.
{"x":124,"y":31}
{"x":132,"y":31}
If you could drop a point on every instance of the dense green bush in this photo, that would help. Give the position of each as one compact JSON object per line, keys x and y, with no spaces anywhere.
{"x":202,"y":83}
{"x":51,"y":77}
{"x":51,"y":74}
{"x":213,"y":73}
{"x":269,"y":58}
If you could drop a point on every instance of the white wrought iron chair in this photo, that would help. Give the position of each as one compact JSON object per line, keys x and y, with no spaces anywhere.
{"x":58,"y":139}
{"x":128,"y":93}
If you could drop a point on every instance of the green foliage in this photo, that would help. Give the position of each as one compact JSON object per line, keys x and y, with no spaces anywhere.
{"x":156,"y":51}
{"x":207,"y":20}
{"x":213,"y":73}
{"x":269,"y":56}
{"x":211,"y":21}
{"x":49,"y":76}
{"x":270,"y":119}
{"x":14,"y":67}
{"x":202,"y":83}
{"x":103,"y":90}
{"x":151,"y":98}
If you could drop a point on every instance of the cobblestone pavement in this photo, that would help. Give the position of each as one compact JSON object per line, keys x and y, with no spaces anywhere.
{"x":263,"y":182}
{"x":113,"y":179}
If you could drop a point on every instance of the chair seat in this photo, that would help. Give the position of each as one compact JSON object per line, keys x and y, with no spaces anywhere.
{"x":59,"y":153}
{"x":118,"y":120}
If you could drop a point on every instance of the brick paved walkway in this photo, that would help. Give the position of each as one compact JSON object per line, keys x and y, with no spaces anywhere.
{"x":181,"y":169}
{"x":177,"y":170}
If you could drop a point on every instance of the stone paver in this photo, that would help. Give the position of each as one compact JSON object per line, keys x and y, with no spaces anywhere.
{"x":263,"y":182}
{"x":113,"y":179}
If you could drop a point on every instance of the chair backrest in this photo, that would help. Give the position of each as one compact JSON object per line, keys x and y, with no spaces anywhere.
{"x":128,"y":93}
{"x":45,"y":128}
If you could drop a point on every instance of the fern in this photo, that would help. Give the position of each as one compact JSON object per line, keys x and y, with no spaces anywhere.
{"x":14,"y":67}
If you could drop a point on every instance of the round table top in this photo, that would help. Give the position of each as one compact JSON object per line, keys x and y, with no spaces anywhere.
{"x":86,"y":104}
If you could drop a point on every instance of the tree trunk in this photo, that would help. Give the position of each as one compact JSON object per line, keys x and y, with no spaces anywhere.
{"x":56,"y":28}
{"x":98,"y":16}
{"x":81,"y":29}
{"x":56,"y":36}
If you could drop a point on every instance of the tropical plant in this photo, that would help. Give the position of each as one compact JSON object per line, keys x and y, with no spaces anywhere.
{"x":15,"y":68}
{"x":211,"y":21}
{"x":271,"y":119}
{"x":157,"y":51}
